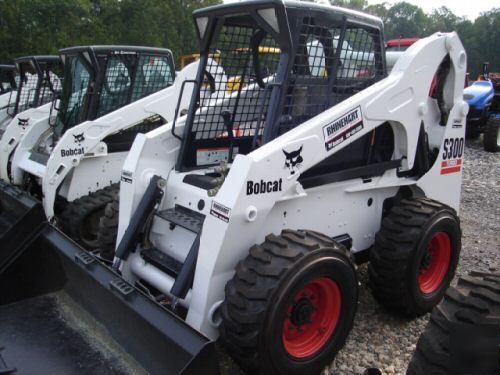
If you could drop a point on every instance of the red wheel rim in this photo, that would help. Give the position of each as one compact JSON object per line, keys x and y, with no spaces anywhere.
{"x":311,"y":318}
{"x":435,"y":263}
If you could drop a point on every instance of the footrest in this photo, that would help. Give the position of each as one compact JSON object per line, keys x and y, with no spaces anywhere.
{"x":162,"y":261}
{"x":184,"y":217}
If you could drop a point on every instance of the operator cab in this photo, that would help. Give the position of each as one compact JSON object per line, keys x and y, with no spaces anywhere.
{"x":101,"y":79}
{"x":281,"y":63}
{"x":8,"y":78}
{"x":39,"y":79}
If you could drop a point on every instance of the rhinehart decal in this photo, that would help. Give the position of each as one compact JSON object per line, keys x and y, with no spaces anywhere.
{"x":342,"y":128}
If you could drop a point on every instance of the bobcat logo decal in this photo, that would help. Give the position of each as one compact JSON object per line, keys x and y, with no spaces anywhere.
{"x":79,"y":138}
{"x":293,"y":160}
{"x":23,"y":122}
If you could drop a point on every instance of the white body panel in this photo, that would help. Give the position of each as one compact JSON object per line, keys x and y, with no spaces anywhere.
{"x":92,"y":174}
{"x":16,"y":129}
{"x":391,"y":57}
{"x":4,"y":118}
{"x":334,"y":209}
{"x":6,"y":98}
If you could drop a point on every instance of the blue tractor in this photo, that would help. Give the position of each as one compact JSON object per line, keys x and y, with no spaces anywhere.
{"x":483,"y":97}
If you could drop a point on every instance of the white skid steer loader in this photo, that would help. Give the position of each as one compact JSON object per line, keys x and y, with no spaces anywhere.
{"x":245,"y":218}
{"x":73,"y":161}
{"x":324,"y":170}
{"x":39,"y":81}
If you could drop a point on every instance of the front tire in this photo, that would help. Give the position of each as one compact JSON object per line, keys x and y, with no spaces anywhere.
{"x":491,"y":136}
{"x":108,"y":228}
{"x":415,"y":255}
{"x":80,"y":218}
{"x":472,"y":133}
{"x":290,"y":305}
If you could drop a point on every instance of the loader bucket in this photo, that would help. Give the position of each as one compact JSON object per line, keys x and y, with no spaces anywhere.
{"x":21,"y":217}
{"x":63,"y":311}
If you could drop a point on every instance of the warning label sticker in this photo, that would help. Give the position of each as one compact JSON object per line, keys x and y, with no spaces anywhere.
{"x":220,"y":211}
{"x":342,"y":128}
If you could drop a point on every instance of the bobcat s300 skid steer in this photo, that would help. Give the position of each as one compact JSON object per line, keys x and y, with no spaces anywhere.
{"x":319,"y":172}
{"x":71,"y":160}
{"x":39,"y":81}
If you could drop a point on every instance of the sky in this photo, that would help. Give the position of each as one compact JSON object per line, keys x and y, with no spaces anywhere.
{"x":463,"y":8}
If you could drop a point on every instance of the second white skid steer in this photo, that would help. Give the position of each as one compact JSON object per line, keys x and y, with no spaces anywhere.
{"x":246,"y":219}
{"x":72,"y":160}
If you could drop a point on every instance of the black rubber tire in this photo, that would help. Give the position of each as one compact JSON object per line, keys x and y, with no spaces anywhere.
{"x":264,"y":285}
{"x":491,"y":141}
{"x":75,"y":217}
{"x":472,"y":133}
{"x":108,"y":228}
{"x":474,"y":301}
{"x":399,"y":248}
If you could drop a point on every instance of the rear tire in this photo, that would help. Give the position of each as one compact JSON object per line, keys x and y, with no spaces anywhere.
{"x":108,"y":228}
{"x":415,"y":255}
{"x":80,"y":218}
{"x":491,"y":136}
{"x":472,"y":133}
{"x":290,"y":305}
{"x":475,"y":300}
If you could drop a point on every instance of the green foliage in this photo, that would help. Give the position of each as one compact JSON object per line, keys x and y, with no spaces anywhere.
{"x":481,"y":38}
{"x":45,"y":26}
{"x":405,"y":19}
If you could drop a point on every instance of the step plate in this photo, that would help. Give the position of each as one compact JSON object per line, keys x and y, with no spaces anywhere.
{"x":184,"y":217}
{"x":162,"y":261}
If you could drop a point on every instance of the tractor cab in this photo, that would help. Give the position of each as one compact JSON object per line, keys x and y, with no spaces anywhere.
{"x":100,"y":79}
{"x":39,"y":79}
{"x":8,"y":77}
{"x":483,"y":98}
{"x":283,"y":65}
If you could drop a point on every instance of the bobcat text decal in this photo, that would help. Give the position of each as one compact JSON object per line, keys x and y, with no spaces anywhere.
{"x":342,"y":128}
{"x":78,"y":138}
{"x":262,"y":187}
{"x":73,"y":151}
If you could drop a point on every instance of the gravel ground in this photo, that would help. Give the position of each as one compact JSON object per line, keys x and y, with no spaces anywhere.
{"x":382,"y":340}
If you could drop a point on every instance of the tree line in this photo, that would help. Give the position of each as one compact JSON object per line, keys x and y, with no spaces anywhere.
{"x":45,"y":26}
{"x":481,"y":37}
